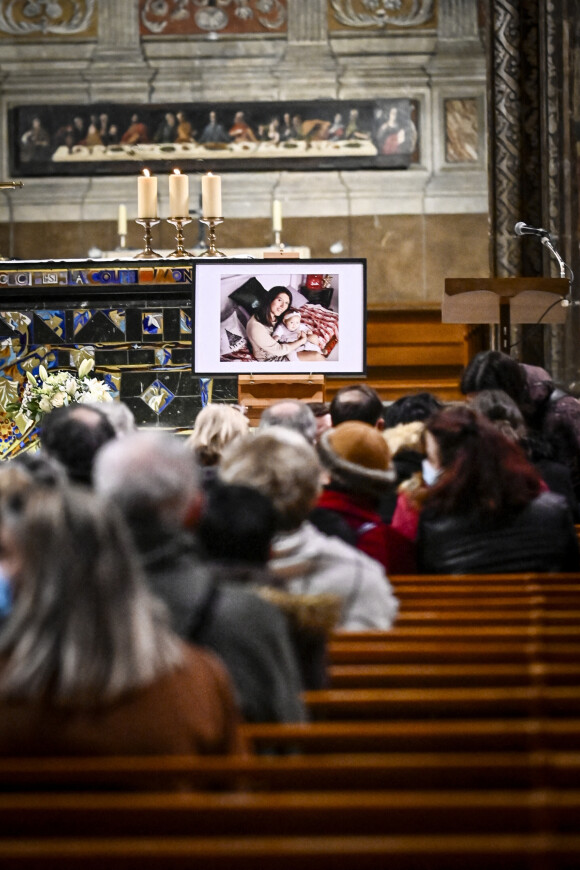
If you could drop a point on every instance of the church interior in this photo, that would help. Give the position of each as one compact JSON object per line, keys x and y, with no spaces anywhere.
{"x":410,"y":169}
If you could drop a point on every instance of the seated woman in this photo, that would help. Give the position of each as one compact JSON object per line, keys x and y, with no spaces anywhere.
{"x":88,"y":664}
{"x":261,"y":325}
{"x":215,"y":426}
{"x":488,"y":510}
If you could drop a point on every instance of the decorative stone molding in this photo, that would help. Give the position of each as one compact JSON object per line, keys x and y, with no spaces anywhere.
{"x":378,"y":13}
{"x":181,"y":17}
{"x":29,"y":17}
{"x":505,"y":137}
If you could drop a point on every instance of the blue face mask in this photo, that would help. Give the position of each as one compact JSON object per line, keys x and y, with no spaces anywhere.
{"x":430,"y":474}
{"x":5,"y":594}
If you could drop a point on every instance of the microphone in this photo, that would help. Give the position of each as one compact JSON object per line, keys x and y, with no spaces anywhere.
{"x":522,"y":229}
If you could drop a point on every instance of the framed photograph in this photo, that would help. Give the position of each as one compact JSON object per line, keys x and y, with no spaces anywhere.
{"x":119,"y":138}
{"x":279,"y":317}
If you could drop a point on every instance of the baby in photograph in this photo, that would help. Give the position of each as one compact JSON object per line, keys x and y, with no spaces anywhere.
{"x":290,"y":330}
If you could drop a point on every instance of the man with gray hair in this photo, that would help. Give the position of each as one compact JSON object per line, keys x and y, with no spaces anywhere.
{"x":153,"y":478}
{"x":282,"y":465}
{"x":291,"y":414}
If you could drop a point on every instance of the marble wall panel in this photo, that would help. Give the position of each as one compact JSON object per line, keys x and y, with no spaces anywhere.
{"x":462,"y":137}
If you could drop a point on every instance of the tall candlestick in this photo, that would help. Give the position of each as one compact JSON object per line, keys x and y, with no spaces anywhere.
{"x":277,"y":216}
{"x":147,"y":195}
{"x":122,"y":220}
{"x":211,"y":195}
{"x":178,"y":195}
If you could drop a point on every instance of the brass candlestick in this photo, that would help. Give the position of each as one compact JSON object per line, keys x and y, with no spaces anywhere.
{"x":147,"y":253}
{"x":179,"y":223}
{"x":211,"y":224}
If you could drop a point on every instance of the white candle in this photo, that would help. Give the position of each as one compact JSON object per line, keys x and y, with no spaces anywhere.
{"x":211,"y":195}
{"x":147,"y":195}
{"x":178,"y":195}
{"x":122,"y":220}
{"x":277,"y":216}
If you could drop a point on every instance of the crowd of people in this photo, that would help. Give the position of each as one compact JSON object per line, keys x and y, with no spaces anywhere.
{"x":157,"y":590}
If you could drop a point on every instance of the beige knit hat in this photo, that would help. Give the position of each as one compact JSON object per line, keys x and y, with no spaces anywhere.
{"x":357,"y":457}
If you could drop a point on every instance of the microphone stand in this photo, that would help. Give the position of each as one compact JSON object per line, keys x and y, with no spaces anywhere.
{"x":547,"y":242}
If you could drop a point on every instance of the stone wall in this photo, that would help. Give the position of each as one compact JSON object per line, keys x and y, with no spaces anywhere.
{"x":416,"y":226}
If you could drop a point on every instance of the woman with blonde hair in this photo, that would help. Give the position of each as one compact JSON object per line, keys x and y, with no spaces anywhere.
{"x":216,"y":426}
{"x":88,"y":662}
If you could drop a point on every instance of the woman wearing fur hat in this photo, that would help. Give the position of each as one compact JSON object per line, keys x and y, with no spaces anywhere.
{"x":358,"y":461}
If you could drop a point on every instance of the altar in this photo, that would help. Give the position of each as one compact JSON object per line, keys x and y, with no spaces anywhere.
{"x":132,"y":317}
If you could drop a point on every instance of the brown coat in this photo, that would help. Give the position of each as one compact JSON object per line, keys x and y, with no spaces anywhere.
{"x":188,"y":711}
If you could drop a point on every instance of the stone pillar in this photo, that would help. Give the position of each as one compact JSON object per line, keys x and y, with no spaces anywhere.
{"x":457,"y":20}
{"x":308,"y":66}
{"x":307,"y":21}
{"x":118,"y":70}
{"x":530,"y":154}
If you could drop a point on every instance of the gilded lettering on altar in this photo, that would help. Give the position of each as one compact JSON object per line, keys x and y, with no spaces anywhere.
{"x":60,"y":18}
{"x":203,"y":17}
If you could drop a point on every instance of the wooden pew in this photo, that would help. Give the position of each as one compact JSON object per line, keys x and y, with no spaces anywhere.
{"x":429,"y":675}
{"x":435,"y":852}
{"x":503,"y":633}
{"x":411,"y":771}
{"x":426,"y":601}
{"x":476,"y":703}
{"x":478,"y":616}
{"x":448,"y":652}
{"x":312,"y":813}
{"x":525,"y":580}
{"x":427,"y":735}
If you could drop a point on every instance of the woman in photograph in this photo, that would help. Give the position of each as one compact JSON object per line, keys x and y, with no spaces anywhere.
{"x":265,"y":347}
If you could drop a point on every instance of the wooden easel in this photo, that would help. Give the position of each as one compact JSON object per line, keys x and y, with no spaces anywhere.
{"x":256,"y":392}
{"x":504,"y":301}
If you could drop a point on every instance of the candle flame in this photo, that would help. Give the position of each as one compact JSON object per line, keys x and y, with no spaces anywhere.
{"x":146,"y":173}
{"x":177,"y":172}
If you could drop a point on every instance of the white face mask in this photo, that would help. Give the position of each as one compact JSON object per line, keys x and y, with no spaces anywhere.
{"x":430,"y":474}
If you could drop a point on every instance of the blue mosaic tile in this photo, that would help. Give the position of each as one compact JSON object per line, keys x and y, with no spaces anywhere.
{"x":157,"y":396}
{"x":153,"y":322}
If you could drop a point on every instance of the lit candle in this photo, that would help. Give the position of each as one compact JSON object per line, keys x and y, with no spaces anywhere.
{"x":178,"y":194}
{"x":211,"y":195}
{"x":122,"y":220}
{"x":277,"y":216}
{"x":147,"y":195}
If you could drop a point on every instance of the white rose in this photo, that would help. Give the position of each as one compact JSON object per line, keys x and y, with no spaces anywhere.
{"x":44,"y":404}
{"x":59,"y":399}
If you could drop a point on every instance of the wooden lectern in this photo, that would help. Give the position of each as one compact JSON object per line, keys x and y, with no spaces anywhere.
{"x":256,"y":392}
{"x":504,"y":301}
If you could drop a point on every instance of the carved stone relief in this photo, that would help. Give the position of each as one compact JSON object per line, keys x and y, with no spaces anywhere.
{"x":47,"y":17}
{"x":381,"y":13}
{"x":505,"y":134}
{"x":179,"y":17}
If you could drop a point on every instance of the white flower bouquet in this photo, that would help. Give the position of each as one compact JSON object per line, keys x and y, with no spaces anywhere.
{"x":55,"y":390}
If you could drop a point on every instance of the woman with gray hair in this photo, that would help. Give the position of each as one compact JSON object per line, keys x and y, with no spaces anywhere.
{"x":88,"y":664}
{"x":283,"y":466}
